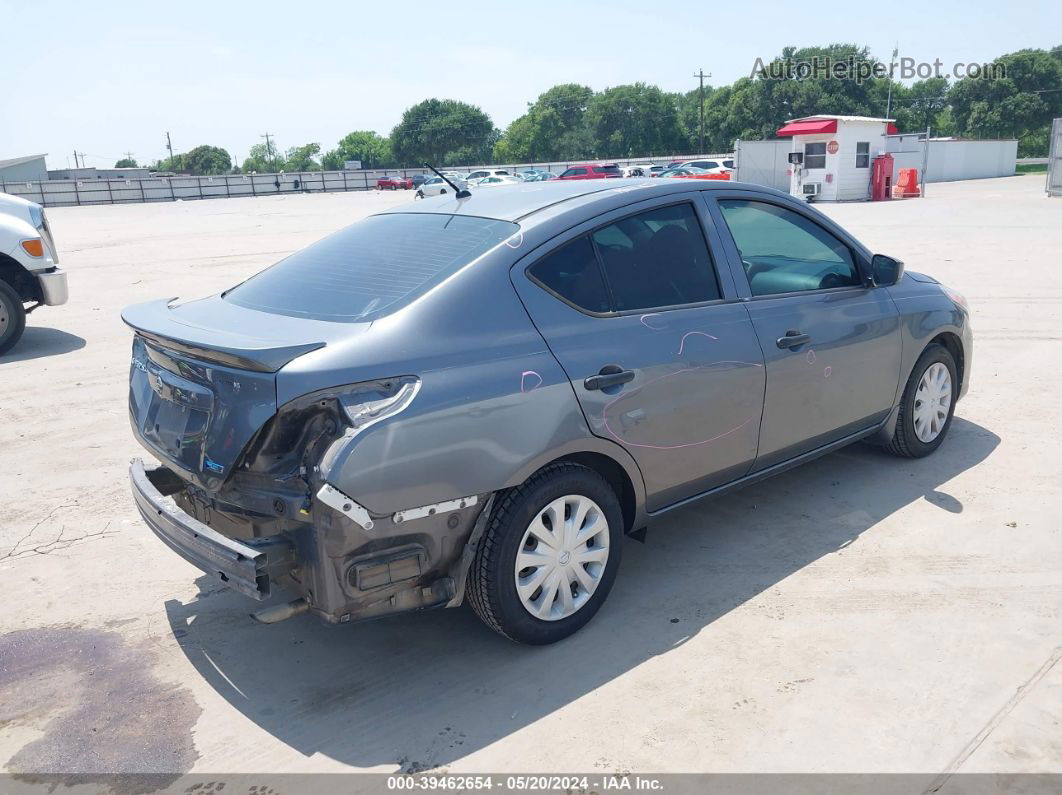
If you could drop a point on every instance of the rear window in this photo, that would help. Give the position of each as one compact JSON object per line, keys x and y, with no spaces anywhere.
{"x":606,"y":169}
{"x":371,"y":268}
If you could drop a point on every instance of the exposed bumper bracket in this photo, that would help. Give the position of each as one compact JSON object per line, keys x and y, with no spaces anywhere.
{"x":334,"y":498}
{"x":438,"y":507}
{"x":245,"y":566}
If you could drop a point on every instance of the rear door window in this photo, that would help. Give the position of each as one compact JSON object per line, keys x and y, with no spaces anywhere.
{"x":371,"y":268}
{"x":573,"y":274}
{"x":657,"y":258}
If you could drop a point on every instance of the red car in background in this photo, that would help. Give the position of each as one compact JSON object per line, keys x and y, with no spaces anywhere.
{"x":394,"y":183}
{"x":592,"y":171}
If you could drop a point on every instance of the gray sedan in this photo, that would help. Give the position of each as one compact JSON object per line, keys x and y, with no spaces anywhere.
{"x":476,"y":399}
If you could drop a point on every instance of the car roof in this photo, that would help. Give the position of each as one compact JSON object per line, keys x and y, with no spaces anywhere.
{"x":524,"y":201}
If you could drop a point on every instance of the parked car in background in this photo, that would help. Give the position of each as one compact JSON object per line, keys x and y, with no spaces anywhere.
{"x":419,"y":179}
{"x":642,"y":170}
{"x":487,"y":172}
{"x":29,"y":266}
{"x":683,"y":172}
{"x":534,"y":175}
{"x":489,"y":182}
{"x":393,"y":183}
{"x":436,"y":186}
{"x":711,"y":166}
{"x":477,"y":399}
{"x":592,"y":171}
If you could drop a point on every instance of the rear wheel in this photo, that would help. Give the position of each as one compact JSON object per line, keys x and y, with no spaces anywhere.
{"x":927,"y":405}
{"x":549,"y":555}
{"x":12,"y":317}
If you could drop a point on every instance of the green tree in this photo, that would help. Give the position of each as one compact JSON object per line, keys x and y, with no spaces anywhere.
{"x":126,"y":162}
{"x":1020,"y":105}
{"x":920,"y":105}
{"x":374,"y":151}
{"x":207,"y":159}
{"x":554,"y":128}
{"x":443,"y":132}
{"x":262,"y":159}
{"x":301,"y":158}
{"x":174,"y":164}
{"x":632,"y":120}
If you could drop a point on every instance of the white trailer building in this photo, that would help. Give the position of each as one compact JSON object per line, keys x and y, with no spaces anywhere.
{"x":836,"y":153}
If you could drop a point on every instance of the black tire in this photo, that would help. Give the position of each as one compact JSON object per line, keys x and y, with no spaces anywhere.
{"x":419,"y":195}
{"x":905,"y":441}
{"x":12,"y":317}
{"x":491,"y":584}
{"x":442,"y":191}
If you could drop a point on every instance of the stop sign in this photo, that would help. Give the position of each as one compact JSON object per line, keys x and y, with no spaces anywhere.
{"x":832,"y":147}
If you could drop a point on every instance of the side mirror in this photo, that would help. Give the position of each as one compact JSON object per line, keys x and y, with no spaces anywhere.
{"x":885,"y":270}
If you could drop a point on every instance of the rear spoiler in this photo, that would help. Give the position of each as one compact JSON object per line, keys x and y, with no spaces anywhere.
{"x":157,"y":323}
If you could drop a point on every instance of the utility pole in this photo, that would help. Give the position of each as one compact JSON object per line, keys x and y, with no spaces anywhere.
{"x":128,"y":155}
{"x":270,"y":153}
{"x":75,"y":159}
{"x":702,"y":75}
{"x":169,"y":146}
{"x":892,"y":64}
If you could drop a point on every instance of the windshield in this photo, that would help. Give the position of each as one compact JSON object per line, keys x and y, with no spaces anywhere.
{"x":371,"y":268}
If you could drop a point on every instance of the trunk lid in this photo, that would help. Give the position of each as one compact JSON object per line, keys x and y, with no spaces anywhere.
{"x":203,"y":379}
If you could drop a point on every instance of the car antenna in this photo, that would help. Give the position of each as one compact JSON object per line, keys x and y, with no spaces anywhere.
{"x":458,"y":193}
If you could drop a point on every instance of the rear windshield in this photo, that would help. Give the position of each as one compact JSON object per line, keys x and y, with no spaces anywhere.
{"x":371,"y":268}
{"x":606,"y":169}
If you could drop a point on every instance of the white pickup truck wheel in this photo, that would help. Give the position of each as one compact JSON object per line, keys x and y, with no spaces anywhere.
{"x":12,"y":317}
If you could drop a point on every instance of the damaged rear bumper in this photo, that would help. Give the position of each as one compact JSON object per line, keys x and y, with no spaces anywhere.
{"x":245,"y":566}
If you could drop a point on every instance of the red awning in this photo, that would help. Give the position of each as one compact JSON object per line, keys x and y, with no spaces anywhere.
{"x":892,"y":129}
{"x":809,"y":127}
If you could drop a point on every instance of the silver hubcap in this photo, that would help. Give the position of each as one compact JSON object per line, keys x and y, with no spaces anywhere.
{"x":932,"y":402}
{"x":562,"y":557}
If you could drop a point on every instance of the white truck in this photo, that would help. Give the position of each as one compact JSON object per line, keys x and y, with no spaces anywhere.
{"x":29,"y":270}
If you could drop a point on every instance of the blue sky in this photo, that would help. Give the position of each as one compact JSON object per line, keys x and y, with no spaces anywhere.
{"x":111,"y":77}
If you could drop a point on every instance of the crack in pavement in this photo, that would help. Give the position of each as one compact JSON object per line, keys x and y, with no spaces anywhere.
{"x":993,"y":723}
{"x":57,"y":543}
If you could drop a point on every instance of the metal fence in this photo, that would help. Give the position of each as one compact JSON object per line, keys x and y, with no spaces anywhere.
{"x":62,"y":192}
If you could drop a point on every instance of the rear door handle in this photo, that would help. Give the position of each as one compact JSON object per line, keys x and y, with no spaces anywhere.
{"x":793,"y":339}
{"x":609,"y":375}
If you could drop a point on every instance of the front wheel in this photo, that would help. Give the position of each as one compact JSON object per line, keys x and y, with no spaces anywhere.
{"x":12,"y":317}
{"x":420,"y":195}
{"x":927,"y":405}
{"x":549,"y":555}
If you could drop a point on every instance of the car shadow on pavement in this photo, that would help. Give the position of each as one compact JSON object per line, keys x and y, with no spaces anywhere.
{"x":38,"y":342}
{"x":421,"y":690}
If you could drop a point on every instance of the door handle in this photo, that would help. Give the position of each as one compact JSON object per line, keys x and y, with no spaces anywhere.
{"x":609,"y":375}
{"x":793,"y":339}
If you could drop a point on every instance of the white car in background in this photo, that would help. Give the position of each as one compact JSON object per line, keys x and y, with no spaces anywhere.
{"x":494,"y":181}
{"x":437,"y":186}
{"x":715,"y":165}
{"x":642,"y":170}
{"x":482,"y":173}
{"x":29,"y":273}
